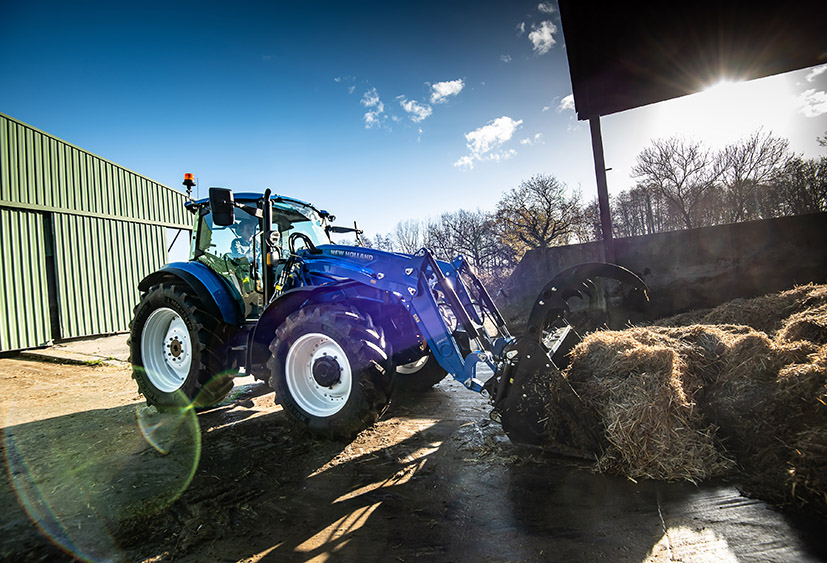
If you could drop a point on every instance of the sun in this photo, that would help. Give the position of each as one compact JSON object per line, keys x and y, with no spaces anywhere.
{"x":728,"y":110}
{"x":724,"y":91}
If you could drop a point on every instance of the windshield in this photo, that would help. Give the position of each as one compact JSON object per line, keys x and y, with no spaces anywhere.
{"x":237,"y":240}
{"x":290,"y":218}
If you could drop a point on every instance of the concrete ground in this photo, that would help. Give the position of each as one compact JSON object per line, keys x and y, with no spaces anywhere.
{"x":112,"y":348}
{"x":435,"y":480}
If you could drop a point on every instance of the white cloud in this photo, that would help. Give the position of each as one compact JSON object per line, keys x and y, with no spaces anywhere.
{"x":505,"y":58}
{"x":465,"y":162}
{"x":417,"y":111}
{"x":520,"y":29}
{"x":532,"y":140}
{"x":486,"y":142}
{"x":441,"y":90}
{"x":373,"y":117}
{"x":505,"y":155}
{"x":567,"y":103}
{"x":371,"y":99}
{"x":545,"y":7}
{"x":813,"y":103}
{"x":542,"y":37}
{"x":821,"y":69}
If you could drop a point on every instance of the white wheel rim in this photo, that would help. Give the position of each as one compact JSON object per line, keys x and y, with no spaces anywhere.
{"x":413,"y":367}
{"x":166,"y":350}
{"x":308,"y":394}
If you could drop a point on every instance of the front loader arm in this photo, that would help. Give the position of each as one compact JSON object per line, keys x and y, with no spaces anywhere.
{"x":445,"y":309}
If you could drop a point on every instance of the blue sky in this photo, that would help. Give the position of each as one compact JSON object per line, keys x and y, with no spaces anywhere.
{"x":377,"y":111}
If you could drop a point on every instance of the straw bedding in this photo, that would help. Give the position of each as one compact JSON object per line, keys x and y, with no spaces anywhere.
{"x":739,"y":390}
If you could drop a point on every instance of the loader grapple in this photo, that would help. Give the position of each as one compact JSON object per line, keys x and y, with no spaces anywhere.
{"x":534,"y":402}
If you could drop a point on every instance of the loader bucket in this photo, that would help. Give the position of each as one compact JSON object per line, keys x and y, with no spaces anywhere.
{"x":534,"y":401}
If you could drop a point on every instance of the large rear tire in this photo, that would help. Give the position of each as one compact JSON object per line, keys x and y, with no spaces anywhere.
{"x":330,"y":369}
{"x":175,"y":350}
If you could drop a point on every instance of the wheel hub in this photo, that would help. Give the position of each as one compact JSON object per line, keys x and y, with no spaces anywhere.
{"x":176,"y":353}
{"x":318,"y":374}
{"x":175,"y":347}
{"x":327,"y":371}
{"x":166,"y":349}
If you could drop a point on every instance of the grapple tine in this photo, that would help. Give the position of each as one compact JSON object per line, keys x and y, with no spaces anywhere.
{"x":590,"y":287}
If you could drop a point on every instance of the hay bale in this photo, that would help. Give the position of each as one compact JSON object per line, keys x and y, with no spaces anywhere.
{"x":766,"y":313}
{"x":748,"y":392}
{"x":801,"y":403}
{"x":809,"y":326}
{"x":639,"y":383}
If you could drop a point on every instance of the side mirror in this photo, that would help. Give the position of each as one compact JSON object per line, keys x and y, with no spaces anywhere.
{"x":222,"y":207}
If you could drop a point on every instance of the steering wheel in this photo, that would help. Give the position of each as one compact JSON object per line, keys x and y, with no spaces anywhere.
{"x":291,"y":242}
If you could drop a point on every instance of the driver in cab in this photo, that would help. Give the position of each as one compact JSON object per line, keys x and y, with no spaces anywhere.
{"x":244,"y":244}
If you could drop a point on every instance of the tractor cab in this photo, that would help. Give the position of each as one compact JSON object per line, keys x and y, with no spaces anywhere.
{"x":233,"y":237}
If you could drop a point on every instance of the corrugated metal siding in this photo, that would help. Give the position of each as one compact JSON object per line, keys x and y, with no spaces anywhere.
{"x":24,"y":295}
{"x":98,"y":264}
{"x":41,"y":172}
{"x":108,"y":227}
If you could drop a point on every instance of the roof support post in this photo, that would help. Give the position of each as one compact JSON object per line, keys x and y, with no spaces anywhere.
{"x":602,"y":189}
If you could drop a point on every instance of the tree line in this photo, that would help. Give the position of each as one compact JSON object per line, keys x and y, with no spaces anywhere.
{"x":679,"y":184}
{"x":682,"y":185}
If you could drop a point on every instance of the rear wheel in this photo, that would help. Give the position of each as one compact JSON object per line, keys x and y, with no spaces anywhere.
{"x":330,"y":369}
{"x":175,"y":349}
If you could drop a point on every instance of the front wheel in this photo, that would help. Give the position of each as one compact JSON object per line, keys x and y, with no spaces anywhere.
{"x":175,"y":350}
{"x":330,"y":370}
{"x":421,"y":374}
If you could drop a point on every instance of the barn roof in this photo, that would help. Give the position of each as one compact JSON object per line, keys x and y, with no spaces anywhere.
{"x":624,"y":55}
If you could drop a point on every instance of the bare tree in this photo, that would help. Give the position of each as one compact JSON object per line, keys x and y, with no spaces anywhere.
{"x":802,"y":187}
{"x":537,"y":214}
{"x":438,"y":238}
{"x":407,"y":236}
{"x":633,"y":212}
{"x":383,"y":243}
{"x":682,"y":172}
{"x":587,"y":227}
{"x":474,"y":236}
{"x":748,"y":167}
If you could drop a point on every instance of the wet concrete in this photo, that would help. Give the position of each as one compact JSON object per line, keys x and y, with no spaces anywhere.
{"x":435,"y":480}
{"x":448,"y":486}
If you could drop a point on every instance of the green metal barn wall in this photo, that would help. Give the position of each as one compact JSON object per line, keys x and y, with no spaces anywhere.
{"x":108,"y":227}
{"x":99,"y":263}
{"x":24,"y":297}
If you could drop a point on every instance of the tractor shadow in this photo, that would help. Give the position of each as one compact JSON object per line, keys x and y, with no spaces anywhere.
{"x":433,"y":480}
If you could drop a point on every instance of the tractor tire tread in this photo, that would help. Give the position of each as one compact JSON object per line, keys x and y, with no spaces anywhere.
{"x":368,"y":347}
{"x":211,"y":383}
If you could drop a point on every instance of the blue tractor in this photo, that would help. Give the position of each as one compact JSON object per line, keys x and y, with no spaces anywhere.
{"x":333,"y":329}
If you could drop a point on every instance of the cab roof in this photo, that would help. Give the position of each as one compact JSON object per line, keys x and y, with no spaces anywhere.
{"x":252,"y":197}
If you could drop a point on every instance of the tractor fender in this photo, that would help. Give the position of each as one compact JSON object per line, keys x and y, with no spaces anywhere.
{"x":292,"y":300}
{"x":210,"y":288}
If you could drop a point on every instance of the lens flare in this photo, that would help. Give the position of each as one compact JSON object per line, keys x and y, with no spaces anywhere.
{"x":82,"y":475}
